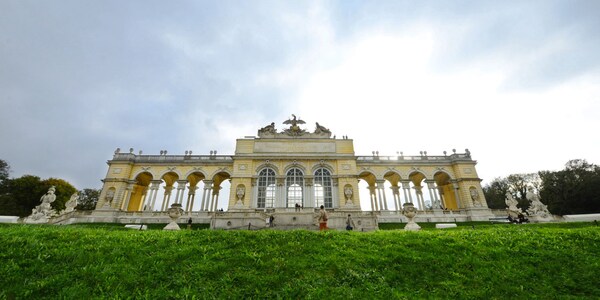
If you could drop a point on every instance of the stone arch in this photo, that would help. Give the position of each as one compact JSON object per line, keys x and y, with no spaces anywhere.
{"x":324,"y":165}
{"x":418,"y":189}
{"x":417,"y":177}
{"x":445,"y":189}
{"x":370,"y":199}
{"x":392,"y":188}
{"x":139,"y":191}
{"x":292,"y":165}
{"x":393,"y":177}
{"x":169,"y":177}
{"x":200,"y":173}
{"x":195,"y":177}
{"x":219,"y":177}
{"x":142,"y":171}
{"x":170,"y":174}
{"x":267,"y":165}
{"x":220,"y":186}
{"x":368,"y":176}
{"x":221,"y":172}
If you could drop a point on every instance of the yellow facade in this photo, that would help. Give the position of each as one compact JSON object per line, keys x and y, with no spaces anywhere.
{"x":278,"y":169}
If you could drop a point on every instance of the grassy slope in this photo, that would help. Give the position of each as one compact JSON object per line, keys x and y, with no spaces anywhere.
{"x":488,"y":262}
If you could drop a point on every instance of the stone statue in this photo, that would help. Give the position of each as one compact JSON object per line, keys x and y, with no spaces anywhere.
{"x":70,"y":205}
{"x":241,"y":191}
{"x":44,"y":211}
{"x":321,"y":129}
{"x":475,"y":197}
{"x":294,"y":129}
{"x":108,"y":198}
{"x":437,"y":204}
{"x":536,"y":208}
{"x":269,"y":129}
{"x":513,"y":210}
{"x":348,"y":193}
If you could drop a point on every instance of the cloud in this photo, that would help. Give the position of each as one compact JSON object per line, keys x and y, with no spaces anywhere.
{"x":516,"y":82}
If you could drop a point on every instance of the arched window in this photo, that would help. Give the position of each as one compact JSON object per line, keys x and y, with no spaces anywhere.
{"x":323,"y":188}
{"x":266,"y":188}
{"x":294,"y":183}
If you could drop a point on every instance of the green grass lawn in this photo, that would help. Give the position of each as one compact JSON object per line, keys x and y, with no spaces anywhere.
{"x":488,"y":262}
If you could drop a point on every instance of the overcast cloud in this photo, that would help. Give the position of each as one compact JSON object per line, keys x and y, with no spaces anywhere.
{"x":515,"y":82}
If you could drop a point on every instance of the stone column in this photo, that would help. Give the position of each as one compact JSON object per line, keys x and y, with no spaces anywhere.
{"x":154,"y":192}
{"x":281,"y":193}
{"x":382,"y":197}
{"x":456,"y":195}
{"x":253,"y":183}
{"x":144,"y":197}
{"x":204,"y":190}
{"x":309,"y":194}
{"x":190,"y":199}
{"x":407,"y":194}
{"x":166,"y":198}
{"x":396,"y":194}
{"x":440,"y":195}
{"x":180,"y":191}
{"x":419,"y":193}
{"x":432,"y":197}
{"x":217,"y":191}
{"x":206,"y":195}
{"x":130,"y":185}
{"x":147,"y":198}
{"x":334,"y":193}
{"x":208,"y":198}
{"x":373,"y":198}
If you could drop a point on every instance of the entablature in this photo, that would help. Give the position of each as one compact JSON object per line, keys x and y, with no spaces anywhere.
{"x":172,"y":159}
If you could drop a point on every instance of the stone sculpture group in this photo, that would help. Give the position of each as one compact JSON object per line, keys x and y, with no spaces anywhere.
{"x":44,"y":211}
{"x":294,"y":129}
{"x":537,"y":210}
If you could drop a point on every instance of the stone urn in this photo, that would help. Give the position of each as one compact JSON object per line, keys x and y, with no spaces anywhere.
{"x":175,"y":211}
{"x":410,"y":212}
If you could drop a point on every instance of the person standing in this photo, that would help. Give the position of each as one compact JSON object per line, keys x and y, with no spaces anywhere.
{"x":350,"y":223}
{"x":323,"y":219}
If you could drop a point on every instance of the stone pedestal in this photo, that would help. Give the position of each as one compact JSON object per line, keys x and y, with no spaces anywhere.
{"x":174,"y":213}
{"x":479,"y":214}
{"x":39,"y":220}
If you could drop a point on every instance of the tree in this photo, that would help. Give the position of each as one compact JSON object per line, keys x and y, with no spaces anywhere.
{"x":495,"y":193}
{"x":574,"y":190}
{"x":519,"y":184}
{"x":88,"y":199}
{"x":4,"y":170}
{"x":515,"y":184}
{"x":23,"y":194}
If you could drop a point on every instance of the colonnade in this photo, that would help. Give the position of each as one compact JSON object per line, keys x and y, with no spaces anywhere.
{"x":210,"y":195}
{"x":379,"y":202}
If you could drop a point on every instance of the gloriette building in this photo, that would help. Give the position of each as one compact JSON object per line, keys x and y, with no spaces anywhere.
{"x":288,"y":174}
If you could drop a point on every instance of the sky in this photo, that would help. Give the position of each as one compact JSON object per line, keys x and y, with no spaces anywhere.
{"x":515,"y":82}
